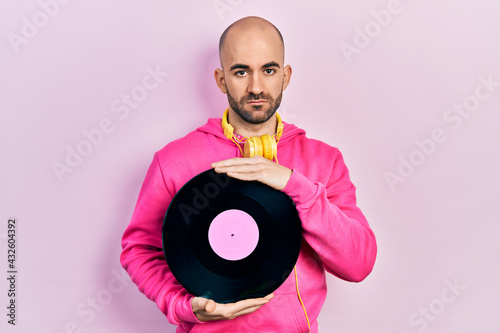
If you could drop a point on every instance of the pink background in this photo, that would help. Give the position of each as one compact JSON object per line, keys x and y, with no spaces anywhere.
{"x":436,"y":229}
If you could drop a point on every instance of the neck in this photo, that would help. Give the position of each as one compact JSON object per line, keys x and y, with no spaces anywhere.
{"x":247,"y":129}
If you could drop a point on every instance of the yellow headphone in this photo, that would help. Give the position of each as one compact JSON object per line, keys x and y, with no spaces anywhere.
{"x":266,"y":145}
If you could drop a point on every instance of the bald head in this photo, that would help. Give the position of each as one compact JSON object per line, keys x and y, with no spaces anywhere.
{"x":251,"y":27}
{"x":253,"y":74}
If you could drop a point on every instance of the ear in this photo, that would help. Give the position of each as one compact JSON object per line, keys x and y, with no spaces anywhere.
{"x":220,"y":80}
{"x":287,"y":74}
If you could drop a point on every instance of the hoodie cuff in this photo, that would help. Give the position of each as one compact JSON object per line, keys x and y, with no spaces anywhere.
{"x":299,"y":188}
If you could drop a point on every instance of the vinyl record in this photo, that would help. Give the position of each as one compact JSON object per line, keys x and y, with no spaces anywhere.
{"x":228,"y":240}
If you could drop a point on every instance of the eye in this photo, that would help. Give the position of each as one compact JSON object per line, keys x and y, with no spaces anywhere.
{"x":240,"y":73}
{"x":269,"y":71}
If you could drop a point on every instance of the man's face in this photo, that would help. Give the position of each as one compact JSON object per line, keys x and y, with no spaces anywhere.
{"x":253,"y":74}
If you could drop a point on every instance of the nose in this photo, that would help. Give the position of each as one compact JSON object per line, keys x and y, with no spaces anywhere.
{"x":255,"y":84}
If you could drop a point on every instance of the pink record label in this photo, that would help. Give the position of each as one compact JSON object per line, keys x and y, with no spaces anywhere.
{"x":233,"y":234}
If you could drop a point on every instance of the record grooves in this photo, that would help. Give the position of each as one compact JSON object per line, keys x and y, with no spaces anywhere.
{"x":192,"y":257}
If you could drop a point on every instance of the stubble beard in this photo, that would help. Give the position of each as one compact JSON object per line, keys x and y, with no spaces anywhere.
{"x":250,"y":116}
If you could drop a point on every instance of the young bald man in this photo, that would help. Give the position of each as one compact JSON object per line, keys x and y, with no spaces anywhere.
{"x":336,"y":235}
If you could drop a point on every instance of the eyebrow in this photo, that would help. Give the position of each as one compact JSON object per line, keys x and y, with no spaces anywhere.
{"x":271,"y":64}
{"x":241,"y":66}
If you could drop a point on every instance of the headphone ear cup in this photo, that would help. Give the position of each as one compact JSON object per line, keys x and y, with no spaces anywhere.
{"x":269,"y":146}
{"x":249,"y":148}
{"x":253,"y":147}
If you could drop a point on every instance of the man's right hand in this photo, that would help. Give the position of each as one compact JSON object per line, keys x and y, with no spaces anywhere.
{"x":207,"y":310}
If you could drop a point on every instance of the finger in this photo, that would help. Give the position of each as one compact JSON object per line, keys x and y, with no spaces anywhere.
{"x":198,"y":303}
{"x":231,"y":161}
{"x":210,"y":306}
{"x":244,"y":168}
{"x":248,"y":303}
{"x":239,"y":161}
{"x":203,"y":309}
{"x":233,"y":312}
{"x":269,"y":297}
{"x":247,"y":176}
{"x":245,"y":311}
{"x":229,"y":310}
{"x":250,"y":309}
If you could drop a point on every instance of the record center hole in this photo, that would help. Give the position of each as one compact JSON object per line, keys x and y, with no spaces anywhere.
{"x":232,"y":235}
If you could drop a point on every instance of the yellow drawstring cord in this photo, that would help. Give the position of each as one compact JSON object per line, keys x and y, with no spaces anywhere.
{"x":300,"y":299}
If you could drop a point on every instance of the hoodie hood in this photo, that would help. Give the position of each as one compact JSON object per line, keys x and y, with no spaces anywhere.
{"x":214,"y":127}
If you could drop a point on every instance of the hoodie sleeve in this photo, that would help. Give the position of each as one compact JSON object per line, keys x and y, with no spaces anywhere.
{"x":332,"y":223}
{"x":142,"y":255}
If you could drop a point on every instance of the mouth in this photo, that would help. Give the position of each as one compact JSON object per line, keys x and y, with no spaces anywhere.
{"x":260,"y":101}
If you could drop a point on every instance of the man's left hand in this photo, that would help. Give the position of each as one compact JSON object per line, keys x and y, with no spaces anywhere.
{"x":255,"y":168}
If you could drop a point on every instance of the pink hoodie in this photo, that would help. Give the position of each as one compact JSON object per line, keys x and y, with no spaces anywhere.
{"x":337,"y":237}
